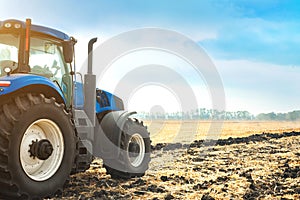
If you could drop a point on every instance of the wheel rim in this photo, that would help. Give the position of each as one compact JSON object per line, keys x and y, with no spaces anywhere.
{"x":35,"y":168}
{"x":136,"y":158}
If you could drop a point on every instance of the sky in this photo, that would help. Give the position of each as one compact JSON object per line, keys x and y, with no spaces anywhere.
{"x":254,"y":45}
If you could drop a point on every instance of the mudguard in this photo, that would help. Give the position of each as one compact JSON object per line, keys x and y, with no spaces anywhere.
{"x":18,"y":81}
{"x":108,"y":134}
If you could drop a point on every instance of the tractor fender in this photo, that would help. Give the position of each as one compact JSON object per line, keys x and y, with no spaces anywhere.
{"x":108,"y":134}
{"x":33,"y":83}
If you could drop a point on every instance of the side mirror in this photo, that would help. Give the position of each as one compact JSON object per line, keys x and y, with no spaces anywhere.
{"x":68,"y":50}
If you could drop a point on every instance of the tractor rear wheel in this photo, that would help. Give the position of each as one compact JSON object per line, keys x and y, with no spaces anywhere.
{"x":37,"y":147}
{"x":134,"y":155}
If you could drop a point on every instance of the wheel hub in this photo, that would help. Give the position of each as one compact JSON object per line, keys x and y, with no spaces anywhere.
{"x":134,"y":149}
{"x":42,"y":149}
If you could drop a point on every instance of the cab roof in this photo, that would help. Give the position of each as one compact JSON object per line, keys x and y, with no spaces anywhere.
{"x":36,"y":28}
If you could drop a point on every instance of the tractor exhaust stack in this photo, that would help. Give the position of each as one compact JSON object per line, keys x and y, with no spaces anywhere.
{"x":90,"y":55}
{"x":90,"y":86}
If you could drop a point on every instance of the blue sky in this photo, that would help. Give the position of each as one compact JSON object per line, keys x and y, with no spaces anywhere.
{"x":257,"y":30}
{"x":254,"y":44}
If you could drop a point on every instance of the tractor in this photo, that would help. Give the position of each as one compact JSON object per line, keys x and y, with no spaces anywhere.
{"x":52,"y":123}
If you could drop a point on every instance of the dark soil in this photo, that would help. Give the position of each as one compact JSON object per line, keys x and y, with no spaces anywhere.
{"x":261,"y":166}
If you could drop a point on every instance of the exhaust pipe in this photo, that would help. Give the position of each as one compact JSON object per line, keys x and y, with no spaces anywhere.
{"x":90,"y":86}
{"x":90,"y":55}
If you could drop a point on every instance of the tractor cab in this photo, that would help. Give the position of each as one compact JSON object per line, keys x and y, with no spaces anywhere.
{"x":36,"y":50}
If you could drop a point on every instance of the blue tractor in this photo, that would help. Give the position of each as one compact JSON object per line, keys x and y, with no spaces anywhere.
{"x":51,"y":125}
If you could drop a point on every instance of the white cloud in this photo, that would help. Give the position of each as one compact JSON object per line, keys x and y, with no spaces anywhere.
{"x":170,"y":95}
{"x":260,"y":87}
{"x":253,"y":86}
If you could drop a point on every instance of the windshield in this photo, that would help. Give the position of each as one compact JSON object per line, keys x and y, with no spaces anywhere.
{"x":46,"y":59}
{"x":8,"y":51}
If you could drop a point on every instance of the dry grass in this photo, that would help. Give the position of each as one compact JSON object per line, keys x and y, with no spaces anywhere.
{"x":180,"y":131}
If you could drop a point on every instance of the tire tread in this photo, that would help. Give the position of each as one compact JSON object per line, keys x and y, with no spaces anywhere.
{"x":10,"y":112}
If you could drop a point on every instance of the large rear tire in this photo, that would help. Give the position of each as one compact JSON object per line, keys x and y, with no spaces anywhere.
{"x":37,"y":147}
{"x":134,"y":157}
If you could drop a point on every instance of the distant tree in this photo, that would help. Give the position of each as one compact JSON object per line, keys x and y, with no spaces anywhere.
{"x":290,"y":116}
{"x":294,"y":115}
{"x":266,"y":116}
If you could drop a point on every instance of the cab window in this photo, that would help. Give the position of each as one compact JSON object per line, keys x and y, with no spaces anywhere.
{"x":46,"y":59}
{"x":9,"y":45}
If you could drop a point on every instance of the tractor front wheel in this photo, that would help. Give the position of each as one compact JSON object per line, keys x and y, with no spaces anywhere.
{"x":37,"y":147}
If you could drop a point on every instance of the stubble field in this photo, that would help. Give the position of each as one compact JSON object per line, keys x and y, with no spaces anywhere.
{"x":246,"y":160}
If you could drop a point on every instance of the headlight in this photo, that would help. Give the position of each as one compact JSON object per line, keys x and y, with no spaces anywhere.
{"x":7,"y":25}
{"x":7,"y":70}
{"x":17,"y":25}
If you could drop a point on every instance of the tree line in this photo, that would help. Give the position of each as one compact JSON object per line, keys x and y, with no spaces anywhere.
{"x":290,"y":116}
{"x":211,"y":114}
